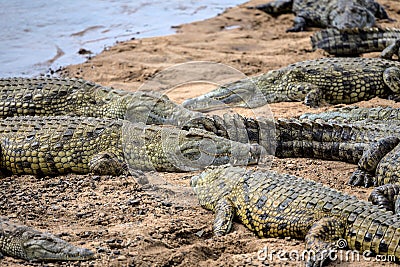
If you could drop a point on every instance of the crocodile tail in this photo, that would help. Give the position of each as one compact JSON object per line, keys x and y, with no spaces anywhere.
{"x":321,"y":39}
{"x":289,"y":137}
{"x":353,"y":41}
{"x":354,"y":114}
{"x":330,"y":141}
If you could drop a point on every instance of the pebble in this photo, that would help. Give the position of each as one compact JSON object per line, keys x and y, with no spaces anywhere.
{"x":122,"y":258}
{"x":166,"y":204}
{"x":199,"y":233}
{"x":133,"y":202}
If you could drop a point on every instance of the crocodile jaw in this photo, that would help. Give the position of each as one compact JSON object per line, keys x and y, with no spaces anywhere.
{"x":29,"y":244}
{"x":46,"y":247}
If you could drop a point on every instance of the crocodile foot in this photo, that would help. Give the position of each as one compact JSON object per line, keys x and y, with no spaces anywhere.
{"x":361,"y":177}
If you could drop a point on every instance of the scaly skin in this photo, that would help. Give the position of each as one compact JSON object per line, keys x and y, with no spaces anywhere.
{"x":26,"y":243}
{"x":374,"y":148}
{"x":327,"y":13}
{"x":373,"y":145}
{"x":355,"y":41}
{"x":77,"y":97}
{"x":330,"y":80}
{"x":277,"y":205}
{"x":57,"y":145}
{"x":379,"y":164}
{"x":354,"y":114}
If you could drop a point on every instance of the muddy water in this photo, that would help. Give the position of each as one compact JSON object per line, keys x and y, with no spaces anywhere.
{"x":41,"y":35}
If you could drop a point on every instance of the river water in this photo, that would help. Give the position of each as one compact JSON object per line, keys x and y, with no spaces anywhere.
{"x":39,"y":35}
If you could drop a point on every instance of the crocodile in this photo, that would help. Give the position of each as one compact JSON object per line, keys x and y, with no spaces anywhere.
{"x":316,"y":82}
{"x":371,"y":144}
{"x":53,"y":145}
{"x":339,"y":14}
{"x":272,"y":204}
{"x":375,"y":148}
{"x":77,"y":97}
{"x":356,"y":41}
{"x":26,"y":243}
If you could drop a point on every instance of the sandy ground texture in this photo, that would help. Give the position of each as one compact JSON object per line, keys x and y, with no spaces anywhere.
{"x":162,"y":225}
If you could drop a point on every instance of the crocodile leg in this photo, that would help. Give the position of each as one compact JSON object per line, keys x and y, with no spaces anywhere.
{"x":275,"y":7}
{"x":299,"y":24}
{"x":391,"y":77}
{"x":314,"y":97}
{"x":388,"y":169}
{"x":107,"y":163}
{"x":298,"y":91}
{"x":386,"y":196}
{"x":391,"y":50}
{"x":370,"y":160}
{"x":223,"y":217}
{"x":321,"y":240}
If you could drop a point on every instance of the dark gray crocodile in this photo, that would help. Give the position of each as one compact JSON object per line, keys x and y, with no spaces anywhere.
{"x":26,"y":243}
{"x":281,"y":205}
{"x":355,"y":41}
{"x":44,"y":145}
{"x":327,"y":80}
{"x":380,"y":127}
{"x":328,"y":13}
{"x":373,"y":145}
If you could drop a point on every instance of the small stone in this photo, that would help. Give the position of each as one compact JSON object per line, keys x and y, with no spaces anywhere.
{"x":166,"y":204}
{"x":133,"y":202}
{"x":122,"y":258}
{"x":199,"y":233}
{"x":101,"y":250}
{"x":84,"y":51}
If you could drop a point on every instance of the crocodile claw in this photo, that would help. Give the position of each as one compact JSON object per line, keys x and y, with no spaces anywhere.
{"x":361,"y":177}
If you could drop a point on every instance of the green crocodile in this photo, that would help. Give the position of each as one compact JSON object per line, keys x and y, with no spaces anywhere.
{"x":76,"y":97}
{"x":278,"y":205}
{"x":328,"y":13}
{"x":27,"y":243}
{"x":355,"y":41}
{"x":53,"y":145}
{"x":330,"y":80}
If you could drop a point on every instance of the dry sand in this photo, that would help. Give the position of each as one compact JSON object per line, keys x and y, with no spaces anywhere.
{"x":163,"y":226}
